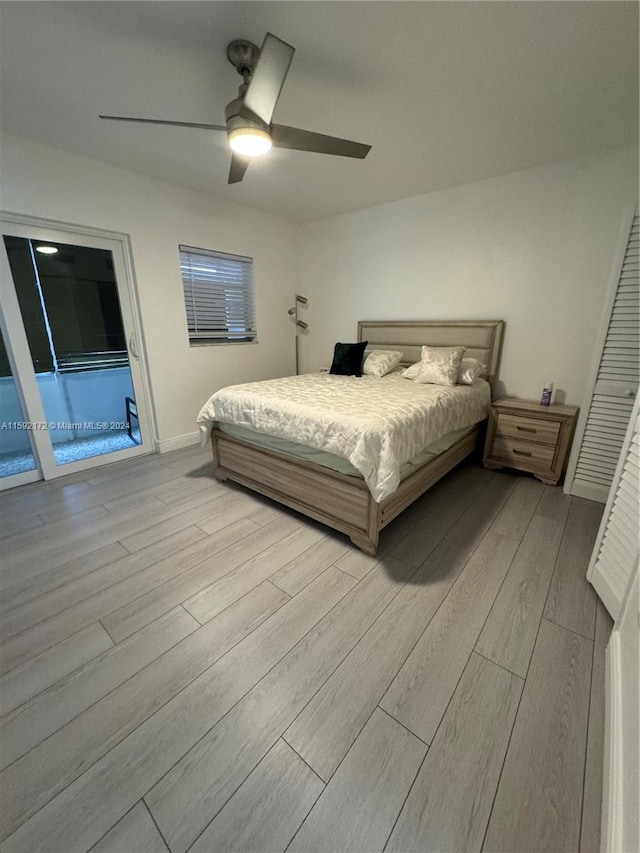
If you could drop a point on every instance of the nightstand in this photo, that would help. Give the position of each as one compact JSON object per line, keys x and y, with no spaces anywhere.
{"x":523,"y":434}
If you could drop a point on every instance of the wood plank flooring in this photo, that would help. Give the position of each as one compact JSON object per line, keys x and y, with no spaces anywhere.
{"x":188,"y":667}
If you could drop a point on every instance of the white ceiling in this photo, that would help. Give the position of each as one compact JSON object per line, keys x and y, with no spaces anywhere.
{"x":446,"y":92}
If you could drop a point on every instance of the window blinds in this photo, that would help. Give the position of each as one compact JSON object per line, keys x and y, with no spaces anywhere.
{"x":218,"y":295}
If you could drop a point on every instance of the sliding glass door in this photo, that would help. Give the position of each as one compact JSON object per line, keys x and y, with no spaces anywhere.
{"x":68,"y":318}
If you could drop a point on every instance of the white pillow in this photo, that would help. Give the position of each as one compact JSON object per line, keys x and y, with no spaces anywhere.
{"x":412,"y":371}
{"x":379,"y":362}
{"x":440,"y":365}
{"x":470,"y":370}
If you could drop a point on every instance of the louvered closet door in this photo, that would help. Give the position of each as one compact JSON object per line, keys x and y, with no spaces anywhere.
{"x":615,"y":555}
{"x":616,"y":383}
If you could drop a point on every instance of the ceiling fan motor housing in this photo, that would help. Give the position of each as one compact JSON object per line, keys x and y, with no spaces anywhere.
{"x":243,"y":55}
{"x":236,"y":121}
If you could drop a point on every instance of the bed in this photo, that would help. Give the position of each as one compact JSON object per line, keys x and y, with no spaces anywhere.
{"x":361,"y":499}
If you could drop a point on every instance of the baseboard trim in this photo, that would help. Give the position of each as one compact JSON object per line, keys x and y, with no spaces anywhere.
{"x":178,"y":442}
{"x":589,"y":491}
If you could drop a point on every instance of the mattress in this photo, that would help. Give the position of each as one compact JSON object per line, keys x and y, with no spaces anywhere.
{"x":375,"y":423}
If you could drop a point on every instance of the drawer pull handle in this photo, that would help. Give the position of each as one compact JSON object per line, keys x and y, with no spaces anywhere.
{"x":526,"y":429}
{"x":522,"y":452}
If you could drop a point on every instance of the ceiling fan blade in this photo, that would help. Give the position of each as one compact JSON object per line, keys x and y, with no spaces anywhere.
{"x":239,"y":166}
{"x":169,"y":123}
{"x":307,"y":140}
{"x":268,"y":78}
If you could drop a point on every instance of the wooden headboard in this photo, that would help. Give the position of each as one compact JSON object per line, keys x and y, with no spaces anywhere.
{"x":480,"y":338}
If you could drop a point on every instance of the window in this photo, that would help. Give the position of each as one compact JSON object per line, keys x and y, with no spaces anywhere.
{"x":218,"y":295}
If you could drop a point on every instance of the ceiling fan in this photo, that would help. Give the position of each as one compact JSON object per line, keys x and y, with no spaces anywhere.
{"x":248,"y":117}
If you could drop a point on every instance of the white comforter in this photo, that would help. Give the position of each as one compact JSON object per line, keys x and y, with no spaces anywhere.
{"x":376,"y":423}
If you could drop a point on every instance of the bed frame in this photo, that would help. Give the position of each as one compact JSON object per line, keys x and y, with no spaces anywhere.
{"x":341,"y":501}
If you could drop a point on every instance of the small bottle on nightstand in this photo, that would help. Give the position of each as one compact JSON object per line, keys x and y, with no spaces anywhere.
{"x":547,"y":394}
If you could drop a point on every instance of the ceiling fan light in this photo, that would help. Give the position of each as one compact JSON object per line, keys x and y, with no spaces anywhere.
{"x":250,"y":141}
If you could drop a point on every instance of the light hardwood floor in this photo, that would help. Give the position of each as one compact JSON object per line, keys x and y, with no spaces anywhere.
{"x":186,"y":666}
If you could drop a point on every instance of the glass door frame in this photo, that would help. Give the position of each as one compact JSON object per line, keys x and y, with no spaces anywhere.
{"x":35,"y":473}
{"x":17,"y":225}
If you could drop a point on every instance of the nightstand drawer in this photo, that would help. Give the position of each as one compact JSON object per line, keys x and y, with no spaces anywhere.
{"x":523,"y":452}
{"x":528,"y":429}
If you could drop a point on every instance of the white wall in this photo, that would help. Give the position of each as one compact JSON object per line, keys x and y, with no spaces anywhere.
{"x":533,"y":248}
{"x":46,"y":182}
